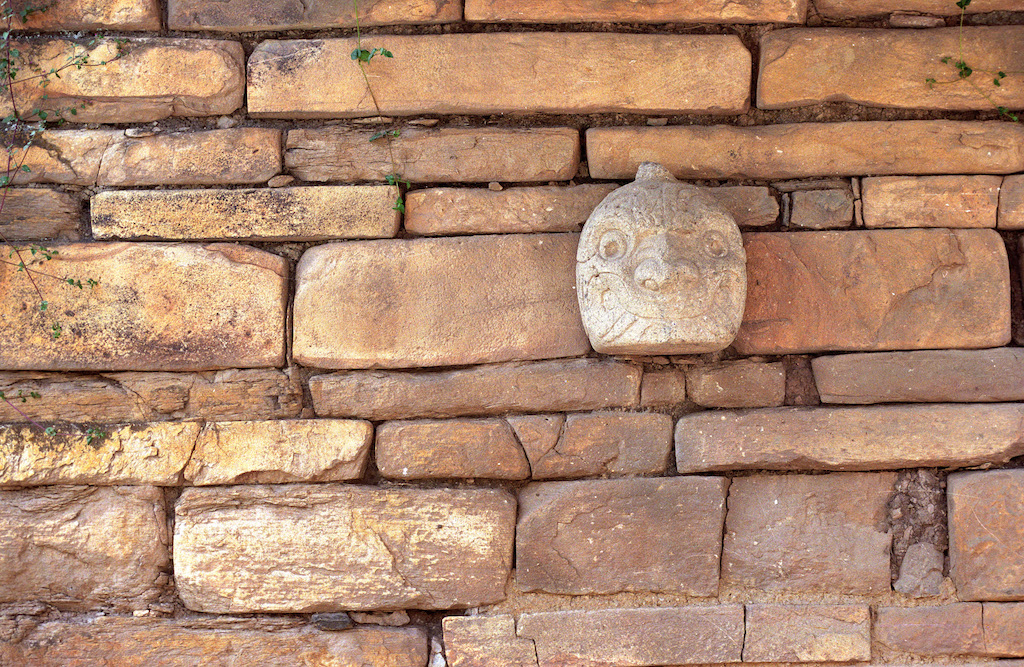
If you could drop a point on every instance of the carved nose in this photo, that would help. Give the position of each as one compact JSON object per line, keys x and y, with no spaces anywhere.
{"x":654,"y":274}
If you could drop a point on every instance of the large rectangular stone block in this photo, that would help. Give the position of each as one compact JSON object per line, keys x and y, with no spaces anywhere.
{"x":930,"y":201}
{"x":807,"y":633}
{"x":154,"y":307}
{"x":951,"y":629}
{"x":438,"y":302}
{"x":249,"y":16}
{"x":502,"y":72}
{"x":630,"y":11}
{"x":425,"y":449}
{"x":92,"y":15}
{"x":858,"y":8}
{"x":326,"y":547}
{"x":1002,"y":624}
{"x":33,"y":214}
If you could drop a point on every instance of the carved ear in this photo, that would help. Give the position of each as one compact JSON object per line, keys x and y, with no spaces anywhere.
{"x":652,"y":171}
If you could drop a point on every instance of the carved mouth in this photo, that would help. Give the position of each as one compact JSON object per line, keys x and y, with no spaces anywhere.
{"x":616,"y":293}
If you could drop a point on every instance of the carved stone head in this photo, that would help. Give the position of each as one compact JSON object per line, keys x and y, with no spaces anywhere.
{"x":660,"y":269}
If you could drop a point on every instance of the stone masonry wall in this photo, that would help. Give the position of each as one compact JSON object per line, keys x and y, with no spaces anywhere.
{"x":335,"y":433}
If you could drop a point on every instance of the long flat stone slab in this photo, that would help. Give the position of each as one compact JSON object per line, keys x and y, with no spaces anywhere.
{"x":249,"y":16}
{"x":436,"y":302}
{"x":630,"y":11}
{"x":502,"y":72}
{"x":875,"y":290}
{"x":810,"y":149}
{"x":856,"y":438}
{"x":858,"y":8}
{"x":93,"y":15}
{"x":931,"y":201}
{"x":327,"y":547}
{"x":155,"y":307}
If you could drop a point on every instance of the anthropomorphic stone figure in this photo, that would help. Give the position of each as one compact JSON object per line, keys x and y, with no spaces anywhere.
{"x":660,"y":269}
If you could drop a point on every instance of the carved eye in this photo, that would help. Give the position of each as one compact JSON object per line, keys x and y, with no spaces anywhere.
{"x":715,"y":244}
{"x":613,"y":244}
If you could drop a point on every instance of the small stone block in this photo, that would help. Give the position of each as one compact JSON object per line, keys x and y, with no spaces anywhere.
{"x":1004,"y":629}
{"x":663,"y":388}
{"x":822,"y":209}
{"x":740,"y":384}
{"x":952,"y":629}
{"x":931,"y":201}
{"x":1011,"y":203}
{"x":438,"y":449}
{"x":921,"y":571}
{"x":807,"y":633}
{"x":249,"y":16}
{"x":751,"y":206}
{"x":486,"y":641}
{"x":34,"y":214}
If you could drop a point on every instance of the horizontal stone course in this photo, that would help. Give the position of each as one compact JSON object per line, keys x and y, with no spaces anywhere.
{"x":931,"y":201}
{"x":93,"y":15}
{"x":37,"y":213}
{"x":428,"y":449}
{"x":630,"y":11}
{"x":951,"y":629}
{"x":807,"y":633}
{"x":248,"y":16}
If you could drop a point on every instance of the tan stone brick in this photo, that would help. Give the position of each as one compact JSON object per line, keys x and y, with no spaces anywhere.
{"x":930,"y":201}
{"x":1002,"y":622}
{"x":752,"y":206}
{"x":249,"y":16}
{"x":155,"y":307}
{"x":1011,"y":203}
{"x":502,"y":72}
{"x":802,"y":533}
{"x":279,"y":214}
{"x":450,"y":448}
{"x":807,"y":633}
{"x":93,"y":15}
{"x":858,"y":8}
{"x":875,"y":290}
{"x":951,"y":629}
{"x":78,"y":547}
{"x":486,"y":641}
{"x":810,"y":149}
{"x":663,"y":388}
{"x":71,"y":157}
{"x":822,"y":209}
{"x":33,"y":214}
{"x":627,"y":11}
{"x":888,"y":68}
{"x":438,"y":301}
{"x":471,"y":155}
{"x":328,"y":547}
{"x":741,"y":384}
{"x":279,"y":451}
{"x":607,"y":536}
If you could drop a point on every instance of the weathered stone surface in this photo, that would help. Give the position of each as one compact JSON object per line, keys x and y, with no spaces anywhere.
{"x":279,"y":451}
{"x":803,"y":533}
{"x":156,"y":307}
{"x":502,"y":72}
{"x":739,"y":384}
{"x":39,"y":214}
{"x":1002,"y":622}
{"x":93,"y":15}
{"x":329,"y":547}
{"x":663,"y":388}
{"x":435,"y":302}
{"x":920,"y":571}
{"x":930,"y":201}
{"x":751,"y":206}
{"x":857,"y":8}
{"x":810,"y":149}
{"x":951,"y":629}
{"x":1011,"y":203}
{"x":79,"y":547}
{"x":636,"y":637}
{"x":246,"y":16}
{"x":469,"y":155}
{"x":450,"y":448}
{"x":822,"y":209}
{"x":923,"y":376}
{"x":71,"y":157}
{"x":647,"y":11}
{"x":278,"y":214}
{"x":807,"y":633}
{"x":486,"y":641}
{"x":607,"y":536}
{"x":154,"y":78}
{"x":986,"y":534}
{"x":875,"y":290}
{"x":660,"y":269}
{"x":888,"y":68}
{"x":124,"y":642}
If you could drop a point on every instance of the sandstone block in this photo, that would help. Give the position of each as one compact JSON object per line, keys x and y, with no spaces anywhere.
{"x":470,"y":155}
{"x":856,"y":438}
{"x":625,"y":11}
{"x":1011,"y":203}
{"x":822,"y":209}
{"x":607,"y":536}
{"x":740,"y":384}
{"x":986,"y":534}
{"x":663,"y":388}
{"x":751,"y":206}
{"x":279,"y":214}
{"x":952,"y":629}
{"x":810,"y":149}
{"x":71,"y":157}
{"x":79,"y":548}
{"x":497,"y":73}
{"x":275,"y":452}
{"x":858,"y":8}
{"x":485,"y":448}
{"x":930,"y":201}
{"x":1002,"y":623}
{"x":329,"y":547}
{"x":438,"y":302}
{"x":94,"y":15}
{"x":155,"y":307}
{"x":875,"y":290}
{"x":486,"y":641}
{"x":35,"y":214}
{"x":807,"y":633}
{"x":636,"y":637}
{"x":802,"y":533}
{"x":247,"y":16}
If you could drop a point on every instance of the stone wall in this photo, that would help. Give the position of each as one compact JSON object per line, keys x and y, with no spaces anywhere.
{"x":311,"y":403}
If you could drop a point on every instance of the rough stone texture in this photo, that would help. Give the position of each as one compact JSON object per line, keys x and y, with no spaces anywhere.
{"x":1002,"y":622}
{"x":807,"y":633}
{"x":802,"y":533}
{"x":278,"y":214}
{"x":259,"y":393}
{"x":279,"y":451}
{"x":1011,"y":203}
{"x":93,"y":15}
{"x":329,"y":547}
{"x":855,"y":438}
{"x":39,"y":214}
{"x":547,"y":386}
{"x":923,"y":376}
{"x":124,"y":642}
{"x":930,"y":201}
{"x":630,"y":11}
{"x":889,"y":68}
{"x":822,"y":209}
{"x":751,"y":206}
{"x":951,"y":629}
{"x":435,"y":302}
{"x":660,"y":269}
{"x":858,"y":8}
{"x":875,"y":290}
{"x":663,"y":388}
{"x":156,"y":307}
{"x":495,"y":73}
{"x":71,"y":157}
{"x":469,"y":155}
{"x":80,"y":548}
{"x":986,"y":534}
{"x":607,"y":536}
{"x":920,"y":571}
{"x":636,"y":637}
{"x":810,"y":149}
{"x":485,"y":448}
{"x":154,"y":78}
{"x":486,"y":641}
{"x":247,"y":16}
{"x":739,"y":384}
{"x":137,"y":454}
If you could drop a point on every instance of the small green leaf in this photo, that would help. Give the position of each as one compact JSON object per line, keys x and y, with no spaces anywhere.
{"x":963,"y":4}
{"x":43,"y":305}
{"x":51,"y":430}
